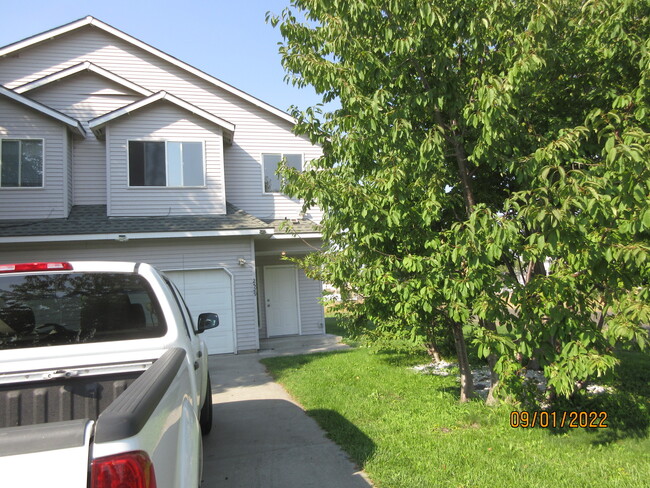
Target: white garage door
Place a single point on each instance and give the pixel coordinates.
(209, 290)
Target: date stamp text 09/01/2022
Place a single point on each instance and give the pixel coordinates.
(558, 420)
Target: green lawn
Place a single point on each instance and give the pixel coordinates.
(408, 430)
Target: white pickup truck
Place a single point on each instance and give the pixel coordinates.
(103, 378)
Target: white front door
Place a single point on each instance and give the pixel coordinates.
(281, 300)
(209, 290)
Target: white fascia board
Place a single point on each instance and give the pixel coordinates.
(200, 112)
(99, 122)
(77, 68)
(309, 235)
(74, 124)
(44, 36)
(150, 49)
(127, 236)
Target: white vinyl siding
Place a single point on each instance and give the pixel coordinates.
(48, 201)
(177, 254)
(162, 122)
(69, 194)
(312, 316)
(257, 131)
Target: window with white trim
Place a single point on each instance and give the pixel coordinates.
(21, 163)
(270, 163)
(166, 163)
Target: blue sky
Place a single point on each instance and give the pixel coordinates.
(227, 39)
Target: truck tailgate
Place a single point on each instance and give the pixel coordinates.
(53, 455)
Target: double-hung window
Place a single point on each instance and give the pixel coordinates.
(270, 163)
(166, 163)
(21, 163)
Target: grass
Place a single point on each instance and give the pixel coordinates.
(408, 430)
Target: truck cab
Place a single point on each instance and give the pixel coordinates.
(103, 377)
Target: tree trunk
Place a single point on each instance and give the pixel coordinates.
(492, 360)
(465, 178)
(432, 345)
(494, 381)
(466, 381)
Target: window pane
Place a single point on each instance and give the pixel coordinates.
(271, 180)
(174, 164)
(294, 161)
(136, 163)
(31, 173)
(154, 164)
(10, 165)
(193, 164)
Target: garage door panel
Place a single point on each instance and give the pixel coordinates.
(209, 291)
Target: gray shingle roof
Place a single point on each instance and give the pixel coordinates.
(289, 226)
(92, 219)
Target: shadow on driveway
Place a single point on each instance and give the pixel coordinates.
(262, 439)
(272, 443)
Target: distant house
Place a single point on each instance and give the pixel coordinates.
(112, 149)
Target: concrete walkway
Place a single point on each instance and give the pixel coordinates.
(261, 438)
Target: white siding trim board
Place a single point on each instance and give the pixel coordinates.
(312, 235)
(133, 236)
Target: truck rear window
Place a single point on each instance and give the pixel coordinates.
(67, 308)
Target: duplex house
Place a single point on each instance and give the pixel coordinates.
(112, 149)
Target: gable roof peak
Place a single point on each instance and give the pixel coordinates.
(89, 20)
(78, 68)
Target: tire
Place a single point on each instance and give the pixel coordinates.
(205, 419)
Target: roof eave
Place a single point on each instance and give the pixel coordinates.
(77, 68)
(73, 124)
(97, 124)
(126, 236)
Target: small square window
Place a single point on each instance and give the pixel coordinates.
(270, 163)
(21, 163)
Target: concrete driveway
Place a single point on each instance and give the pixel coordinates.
(260, 437)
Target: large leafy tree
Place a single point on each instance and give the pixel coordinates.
(487, 172)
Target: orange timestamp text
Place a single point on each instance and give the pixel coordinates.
(558, 420)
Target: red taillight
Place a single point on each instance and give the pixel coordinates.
(23, 267)
(127, 470)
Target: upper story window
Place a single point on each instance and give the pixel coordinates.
(270, 162)
(166, 163)
(21, 162)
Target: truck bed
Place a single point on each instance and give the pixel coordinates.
(61, 399)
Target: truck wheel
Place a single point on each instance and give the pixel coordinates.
(206, 411)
